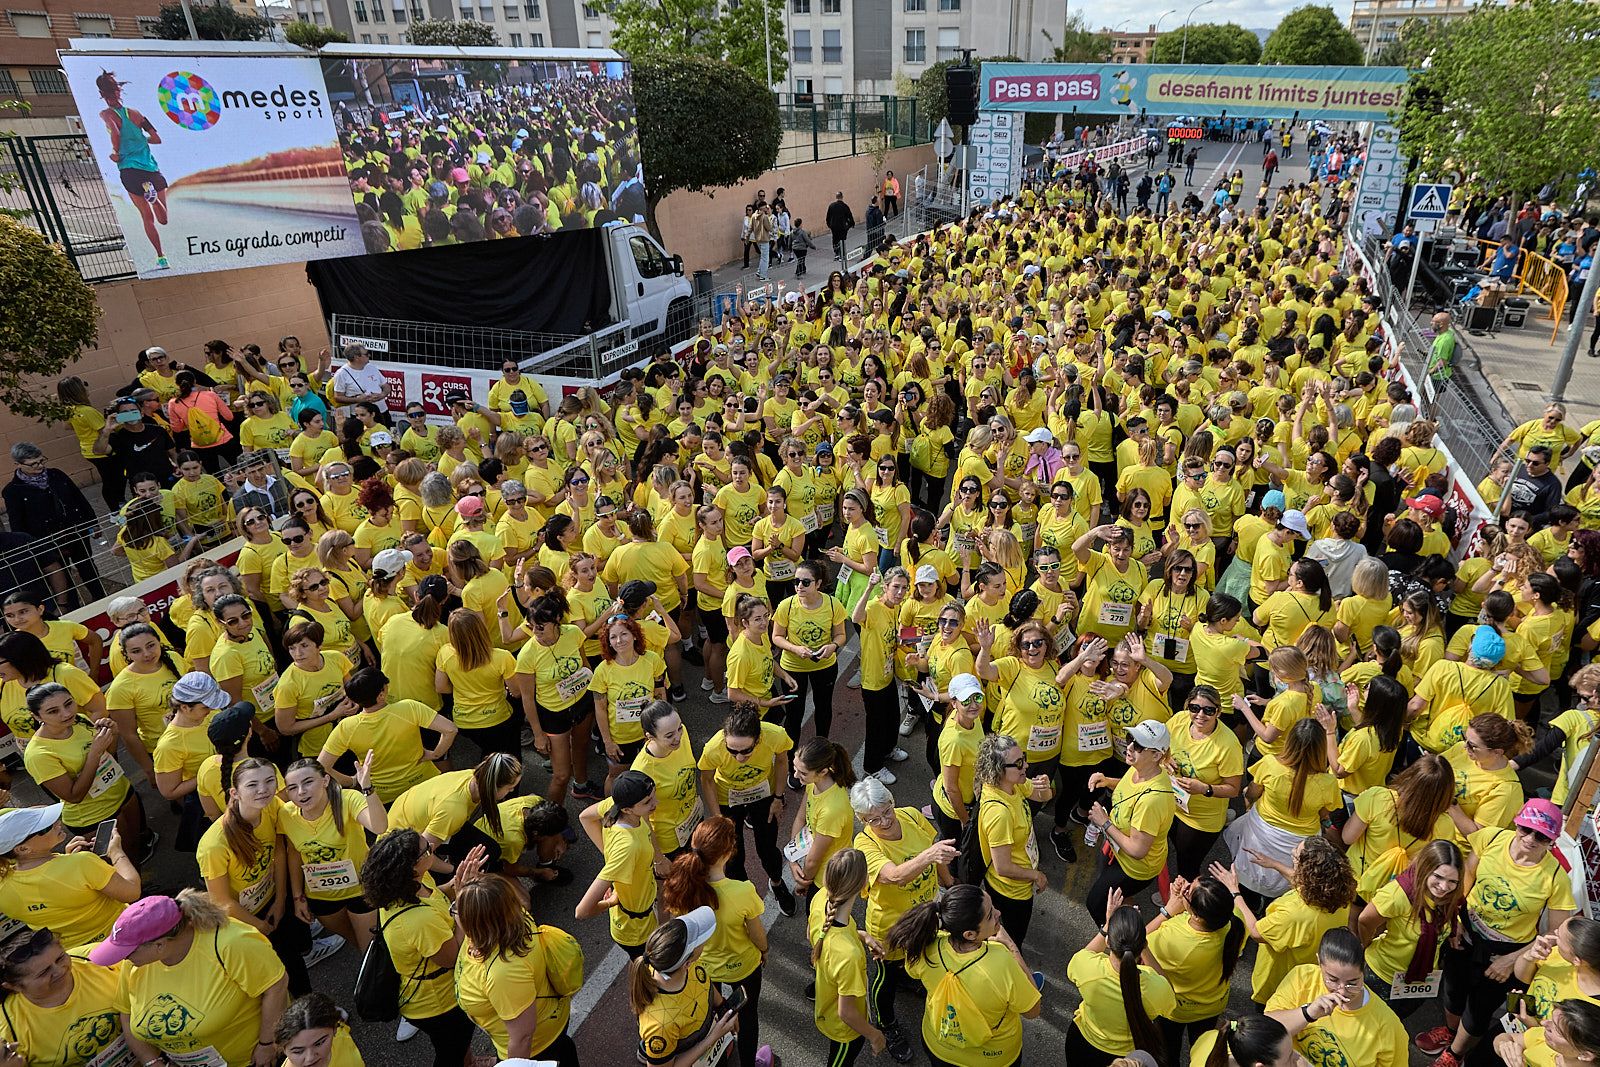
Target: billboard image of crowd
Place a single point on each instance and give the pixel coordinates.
(216, 161)
(451, 151)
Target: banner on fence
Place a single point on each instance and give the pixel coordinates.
(1355, 94)
(214, 160)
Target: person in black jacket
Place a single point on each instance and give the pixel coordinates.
(840, 222)
(43, 501)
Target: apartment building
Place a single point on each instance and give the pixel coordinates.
(519, 23)
(30, 34)
(1131, 46)
(1376, 23)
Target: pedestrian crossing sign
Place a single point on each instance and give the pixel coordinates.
(1429, 201)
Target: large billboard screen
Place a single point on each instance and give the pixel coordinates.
(1348, 94)
(214, 162)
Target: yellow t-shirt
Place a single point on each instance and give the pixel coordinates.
(751, 779)
(750, 668)
(1321, 793)
(74, 1033)
(182, 749)
(147, 696)
(560, 675)
(330, 859)
(841, 971)
(1102, 1017)
(1390, 953)
(629, 855)
(958, 748)
(14, 698)
(391, 734)
(1507, 898)
(251, 882)
(495, 990)
(309, 693)
(62, 894)
(437, 807)
(480, 693)
(998, 991)
(673, 1018)
(829, 813)
(811, 627)
(678, 803)
(1146, 806)
(1209, 759)
(1005, 820)
(47, 759)
(730, 955)
(208, 1002)
(1033, 709)
(1191, 959)
(252, 662)
(415, 933)
(886, 903)
(627, 691)
(1291, 930)
(1369, 1033)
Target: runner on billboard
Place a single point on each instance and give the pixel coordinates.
(131, 138)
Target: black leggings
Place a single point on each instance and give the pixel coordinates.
(1467, 991)
(881, 710)
(820, 683)
(1015, 915)
(887, 977)
(1172, 1035)
(451, 1034)
(844, 1053)
(1187, 849)
(113, 481)
(291, 940)
(503, 736)
(766, 835)
(1074, 789)
(1112, 876)
(563, 1051)
(749, 1040)
(1080, 1053)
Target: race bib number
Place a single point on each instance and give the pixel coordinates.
(965, 542)
(573, 685)
(116, 1054)
(780, 568)
(714, 1054)
(1168, 647)
(685, 829)
(630, 710)
(200, 1057)
(1116, 614)
(1094, 736)
(883, 535)
(1426, 989)
(824, 514)
(251, 897)
(1026, 533)
(809, 522)
(263, 690)
(9, 927)
(334, 877)
(1065, 639)
(1032, 849)
(1044, 739)
(796, 850)
(750, 793)
(1182, 796)
(109, 774)
(8, 747)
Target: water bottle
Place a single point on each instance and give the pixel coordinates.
(1091, 836)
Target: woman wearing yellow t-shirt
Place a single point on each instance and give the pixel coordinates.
(627, 680)
(751, 668)
(325, 828)
(825, 822)
(1207, 770)
(414, 918)
(778, 542)
(388, 732)
(960, 938)
(1143, 803)
(741, 502)
(1291, 794)
(1366, 755)
(673, 997)
(140, 694)
(313, 1032)
(1306, 601)
(307, 700)
(735, 952)
(554, 682)
(1002, 792)
(1406, 924)
(59, 1007)
(505, 980)
(1114, 580)
(75, 761)
(625, 888)
(808, 628)
(1196, 939)
(1122, 997)
(477, 673)
(241, 860)
(839, 963)
(75, 894)
(1331, 997)
(1391, 823)
(857, 557)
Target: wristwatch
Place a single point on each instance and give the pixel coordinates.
(1209, 791)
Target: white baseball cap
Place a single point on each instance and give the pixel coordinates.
(19, 824)
(1151, 734)
(1040, 436)
(700, 923)
(926, 573)
(391, 561)
(965, 686)
(1295, 520)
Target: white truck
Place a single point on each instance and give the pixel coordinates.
(651, 308)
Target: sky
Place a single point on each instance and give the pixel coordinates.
(1251, 14)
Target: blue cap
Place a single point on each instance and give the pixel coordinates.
(1274, 499)
(1488, 647)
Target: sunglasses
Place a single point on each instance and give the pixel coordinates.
(998, 505)
(1536, 835)
(580, 481)
(946, 624)
(295, 540)
(338, 474)
(1060, 496)
(416, 414)
(255, 520)
(538, 448)
(738, 751)
(256, 404)
(604, 514)
(1019, 765)
(1030, 646)
(1223, 466)
(1204, 709)
(802, 582)
(312, 587)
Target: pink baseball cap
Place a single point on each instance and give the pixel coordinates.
(737, 554)
(1430, 504)
(459, 174)
(142, 922)
(469, 507)
(1542, 817)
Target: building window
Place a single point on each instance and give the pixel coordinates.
(8, 84)
(47, 81)
(803, 92)
(417, 14)
(383, 38)
(916, 46)
(949, 5)
(949, 42)
(148, 25)
(596, 39)
(94, 25)
(536, 40)
(466, 14)
(516, 40)
(800, 7)
(361, 10)
(531, 10)
(832, 46)
(378, 15)
(590, 11)
(802, 46)
(916, 5)
(366, 38)
(512, 13)
(486, 14)
(832, 7)
(31, 24)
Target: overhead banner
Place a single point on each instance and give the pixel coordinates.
(1335, 94)
(221, 161)
(213, 163)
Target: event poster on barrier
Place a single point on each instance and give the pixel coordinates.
(213, 163)
(1335, 94)
(217, 160)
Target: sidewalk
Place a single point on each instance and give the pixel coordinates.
(1519, 365)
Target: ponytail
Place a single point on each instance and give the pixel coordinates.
(688, 885)
(498, 769)
(822, 756)
(1126, 941)
(1246, 1039)
(956, 910)
(845, 879)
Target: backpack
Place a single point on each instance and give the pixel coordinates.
(378, 983)
(959, 1018)
(204, 429)
(563, 960)
(970, 864)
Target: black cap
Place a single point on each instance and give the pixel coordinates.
(630, 788)
(231, 726)
(636, 593)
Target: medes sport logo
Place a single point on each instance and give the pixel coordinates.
(189, 100)
(195, 104)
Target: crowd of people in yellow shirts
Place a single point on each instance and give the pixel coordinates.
(1129, 519)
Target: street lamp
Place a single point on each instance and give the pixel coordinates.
(1162, 19)
(1183, 56)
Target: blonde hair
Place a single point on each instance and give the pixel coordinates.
(1287, 663)
(1371, 579)
(330, 544)
(844, 879)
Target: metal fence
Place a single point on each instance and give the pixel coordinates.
(1471, 418)
(823, 126)
(52, 184)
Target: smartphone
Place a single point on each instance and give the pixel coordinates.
(733, 1001)
(127, 416)
(102, 836)
(787, 697)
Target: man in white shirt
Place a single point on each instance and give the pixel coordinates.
(358, 380)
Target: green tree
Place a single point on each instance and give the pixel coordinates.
(1312, 36)
(1209, 42)
(1511, 117)
(47, 319)
(310, 35)
(716, 29)
(213, 22)
(450, 32)
(703, 123)
(1079, 44)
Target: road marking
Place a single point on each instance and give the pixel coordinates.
(599, 983)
